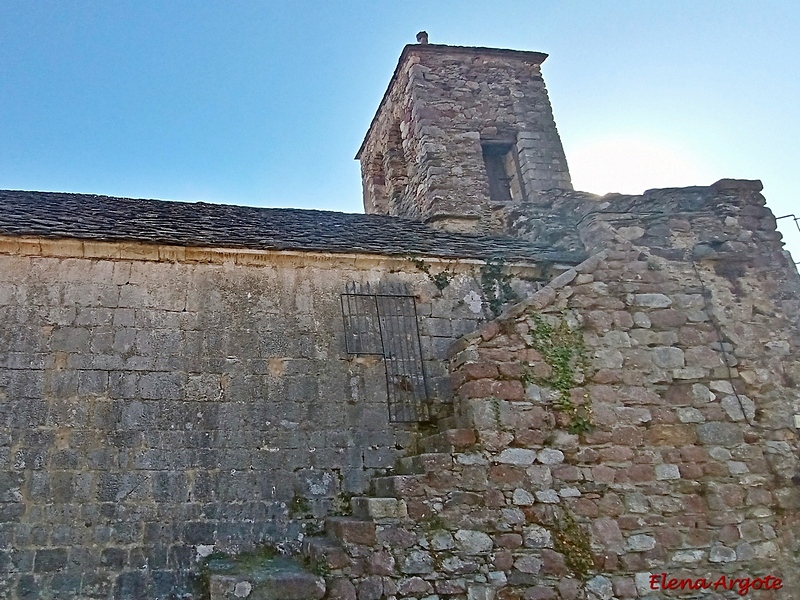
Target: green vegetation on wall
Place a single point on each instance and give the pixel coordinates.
(571, 541)
(441, 279)
(562, 348)
(496, 286)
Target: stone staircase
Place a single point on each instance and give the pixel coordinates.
(395, 500)
(278, 578)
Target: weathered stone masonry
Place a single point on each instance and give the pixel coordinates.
(687, 466)
(421, 157)
(614, 380)
(155, 408)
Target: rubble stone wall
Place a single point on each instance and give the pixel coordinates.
(686, 467)
(693, 325)
(630, 424)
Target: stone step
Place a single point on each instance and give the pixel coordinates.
(427, 462)
(450, 440)
(378, 509)
(398, 486)
(325, 552)
(352, 530)
(261, 578)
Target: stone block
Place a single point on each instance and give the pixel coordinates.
(607, 358)
(720, 434)
(162, 386)
(439, 327)
(690, 373)
(703, 356)
(564, 279)
(351, 530)
(470, 459)
(50, 560)
(536, 536)
(528, 564)
(721, 554)
(379, 458)
(517, 456)
(480, 592)
(673, 435)
(690, 415)
(70, 339)
(547, 496)
(652, 300)
(632, 416)
(341, 589)
(739, 408)
(522, 497)
(667, 472)
(378, 509)
(484, 370)
(667, 318)
(483, 414)
(640, 543)
(606, 534)
(325, 552)
(65, 585)
(601, 587)
(473, 542)
(616, 339)
(417, 562)
(550, 456)
(114, 558)
(424, 463)
(553, 563)
(456, 565)
(668, 358)
(269, 579)
(370, 588)
(199, 532)
(414, 586)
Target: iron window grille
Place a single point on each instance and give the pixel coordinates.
(384, 323)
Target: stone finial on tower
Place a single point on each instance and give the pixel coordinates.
(422, 37)
(461, 133)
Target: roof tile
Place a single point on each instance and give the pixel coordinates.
(105, 218)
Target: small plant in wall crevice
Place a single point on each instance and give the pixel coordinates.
(562, 348)
(441, 279)
(496, 286)
(571, 541)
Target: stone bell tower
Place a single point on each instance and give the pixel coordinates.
(461, 133)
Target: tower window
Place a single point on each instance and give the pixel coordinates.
(502, 168)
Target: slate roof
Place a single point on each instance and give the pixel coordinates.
(105, 218)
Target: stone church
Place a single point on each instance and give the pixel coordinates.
(488, 387)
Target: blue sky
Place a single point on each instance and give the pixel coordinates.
(265, 103)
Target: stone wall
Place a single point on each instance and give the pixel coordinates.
(154, 411)
(635, 417)
(685, 466)
(691, 324)
(727, 221)
(422, 157)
